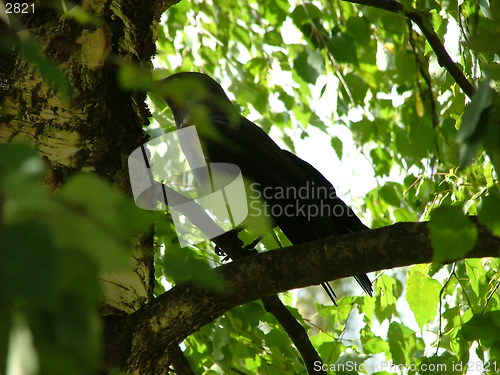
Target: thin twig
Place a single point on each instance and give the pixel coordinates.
(233, 247)
(420, 18)
(440, 332)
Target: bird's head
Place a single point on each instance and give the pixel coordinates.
(194, 97)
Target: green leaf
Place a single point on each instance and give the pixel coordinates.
(183, 264)
(402, 342)
(452, 234)
(482, 327)
(315, 33)
(382, 161)
(362, 131)
(250, 314)
(476, 275)
(328, 349)
(485, 41)
(387, 293)
(29, 263)
(349, 363)
(406, 66)
(422, 294)
(389, 193)
(220, 339)
(288, 142)
(309, 65)
(97, 220)
(134, 77)
(373, 344)
(21, 172)
(304, 13)
(359, 29)
(443, 364)
(489, 214)
(343, 49)
(402, 214)
(337, 146)
(276, 11)
(357, 88)
(474, 123)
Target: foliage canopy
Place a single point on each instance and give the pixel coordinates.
(371, 82)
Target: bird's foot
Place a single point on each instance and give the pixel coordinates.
(221, 253)
(251, 246)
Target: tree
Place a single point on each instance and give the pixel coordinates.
(81, 267)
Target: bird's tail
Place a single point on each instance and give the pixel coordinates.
(365, 283)
(329, 290)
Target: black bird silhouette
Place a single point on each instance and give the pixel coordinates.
(227, 137)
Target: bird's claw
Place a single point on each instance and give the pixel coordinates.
(221, 253)
(250, 248)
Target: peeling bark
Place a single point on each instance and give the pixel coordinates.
(96, 128)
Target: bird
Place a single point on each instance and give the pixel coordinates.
(228, 137)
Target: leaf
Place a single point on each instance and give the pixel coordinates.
(343, 49)
(357, 88)
(305, 13)
(250, 314)
(474, 123)
(349, 363)
(382, 161)
(387, 294)
(315, 33)
(135, 77)
(402, 342)
(337, 146)
(443, 364)
(489, 214)
(183, 264)
(475, 272)
(288, 141)
(309, 65)
(276, 11)
(92, 216)
(359, 29)
(452, 234)
(389, 193)
(422, 294)
(29, 263)
(485, 41)
(373, 344)
(220, 339)
(21, 172)
(405, 66)
(482, 327)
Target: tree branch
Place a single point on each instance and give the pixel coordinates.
(180, 362)
(233, 247)
(420, 18)
(185, 308)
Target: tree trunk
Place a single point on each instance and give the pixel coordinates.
(59, 91)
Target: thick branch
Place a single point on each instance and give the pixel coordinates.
(185, 308)
(420, 18)
(160, 6)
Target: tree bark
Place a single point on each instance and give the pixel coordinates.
(59, 91)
